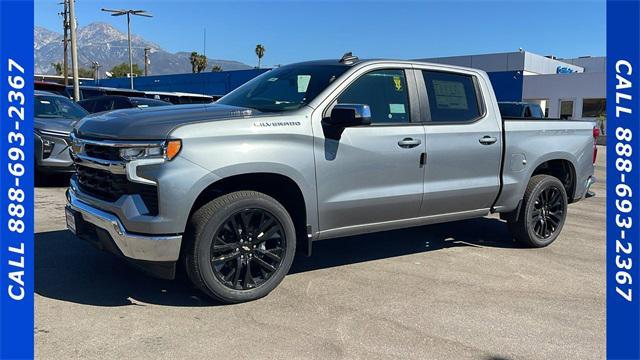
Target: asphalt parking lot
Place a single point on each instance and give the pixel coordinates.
(461, 290)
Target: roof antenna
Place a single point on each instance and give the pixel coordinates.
(348, 58)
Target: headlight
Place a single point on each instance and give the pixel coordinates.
(47, 147)
(168, 150)
(76, 146)
(48, 142)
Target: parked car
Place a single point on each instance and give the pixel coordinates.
(312, 151)
(179, 98)
(54, 117)
(88, 92)
(114, 102)
(520, 110)
(52, 88)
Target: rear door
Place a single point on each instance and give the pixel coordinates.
(371, 173)
(463, 142)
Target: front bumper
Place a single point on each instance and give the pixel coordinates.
(156, 253)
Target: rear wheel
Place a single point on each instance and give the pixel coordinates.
(543, 213)
(240, 246)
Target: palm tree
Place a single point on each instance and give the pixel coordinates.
(260, 49)
(194, 61)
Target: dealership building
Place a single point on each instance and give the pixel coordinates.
(564, 88)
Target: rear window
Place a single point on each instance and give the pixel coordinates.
(452, 97)
(144, 102)
(90, 93)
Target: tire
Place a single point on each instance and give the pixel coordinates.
(543, 212)
(251, 237)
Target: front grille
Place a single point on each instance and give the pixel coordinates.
(102, 152)
(110, 187)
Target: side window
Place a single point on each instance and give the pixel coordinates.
(452, 97)
(385, 91)
(90, 93)
(88, 105)
(121, 103)
(103, 105)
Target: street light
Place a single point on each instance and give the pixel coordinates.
(128, 13)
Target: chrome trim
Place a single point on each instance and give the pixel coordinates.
(53, 133)
(134, 246)
(132, 170)
(116, 167)
(123, 167)
(118, 143)
(590, 181)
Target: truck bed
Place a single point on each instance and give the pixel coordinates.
(542, 139)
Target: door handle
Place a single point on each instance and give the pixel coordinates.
(408, 143)
(488, 140)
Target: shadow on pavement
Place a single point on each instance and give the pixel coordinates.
(51, 180)
(71, 270)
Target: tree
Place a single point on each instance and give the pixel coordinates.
(123, 69)
(216, 68)
(82, 72)
(194, 61)
(57, 67)
(198, 62)
(260, 49)
(86, 73)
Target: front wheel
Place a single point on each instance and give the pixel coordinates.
(240, 246)
(544, 210)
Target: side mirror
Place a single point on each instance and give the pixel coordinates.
(346, 115)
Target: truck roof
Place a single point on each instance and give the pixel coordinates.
(336, 62)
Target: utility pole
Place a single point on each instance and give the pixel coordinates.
(130, 55)
(65, 42)
(96, 70)
(147, 61)
(74, 50)
(129, 13)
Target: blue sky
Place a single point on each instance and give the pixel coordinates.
(301, 30)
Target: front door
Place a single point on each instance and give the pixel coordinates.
(372, 173)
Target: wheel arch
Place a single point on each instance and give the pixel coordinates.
(563, 169)
(285, 189)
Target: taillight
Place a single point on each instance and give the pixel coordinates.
(596, 133)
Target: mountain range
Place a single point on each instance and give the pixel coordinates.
(107, 45)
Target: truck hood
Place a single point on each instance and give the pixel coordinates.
(54, 125)
(154, 123)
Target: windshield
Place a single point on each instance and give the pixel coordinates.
(56, 107)
(285, 88)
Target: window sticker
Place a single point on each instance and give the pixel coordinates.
(303, 83)
(450, 95)
(397, 82)
(396, 109)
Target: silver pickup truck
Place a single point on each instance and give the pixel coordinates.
(312, 151)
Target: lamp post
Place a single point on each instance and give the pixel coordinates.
(121, 12)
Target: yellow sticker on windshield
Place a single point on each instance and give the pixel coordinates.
(398, 82)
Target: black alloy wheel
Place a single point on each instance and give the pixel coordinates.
(543, 211)
(548, 212)
(248, 249)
